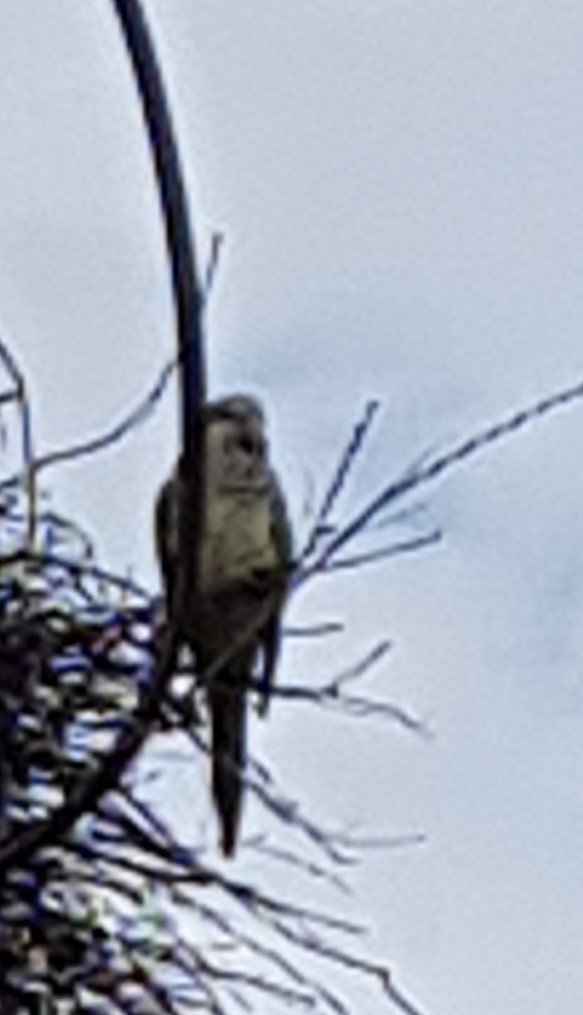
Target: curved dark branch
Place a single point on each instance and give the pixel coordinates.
(85, 796)
(187, 295)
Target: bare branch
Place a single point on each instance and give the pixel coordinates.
(339, 478)
(385, 553)
(434, 466)
(21, 397)
(133, 419)
(112, 436)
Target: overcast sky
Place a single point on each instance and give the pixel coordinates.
(400, 185)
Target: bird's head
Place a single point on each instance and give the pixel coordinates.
(237, 450)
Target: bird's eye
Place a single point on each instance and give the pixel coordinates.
(250, 445)
(246, 444)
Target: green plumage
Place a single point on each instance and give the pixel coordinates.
(245, 564)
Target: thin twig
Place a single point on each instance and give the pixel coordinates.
(385, 553)
(437, 465)
(21, 394)
(141, 411)
(338, 481)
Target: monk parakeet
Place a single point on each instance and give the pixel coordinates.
(245, 563)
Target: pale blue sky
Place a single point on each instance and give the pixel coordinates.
(401, 190)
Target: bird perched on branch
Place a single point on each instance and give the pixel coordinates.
(244, 567)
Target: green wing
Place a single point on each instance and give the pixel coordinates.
(282, 536)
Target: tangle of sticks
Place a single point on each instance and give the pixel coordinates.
(89, 904)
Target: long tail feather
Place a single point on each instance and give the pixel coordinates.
(228, 719)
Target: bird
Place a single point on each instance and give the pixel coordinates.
(245, 562)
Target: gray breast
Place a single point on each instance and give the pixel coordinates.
(238, 539)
